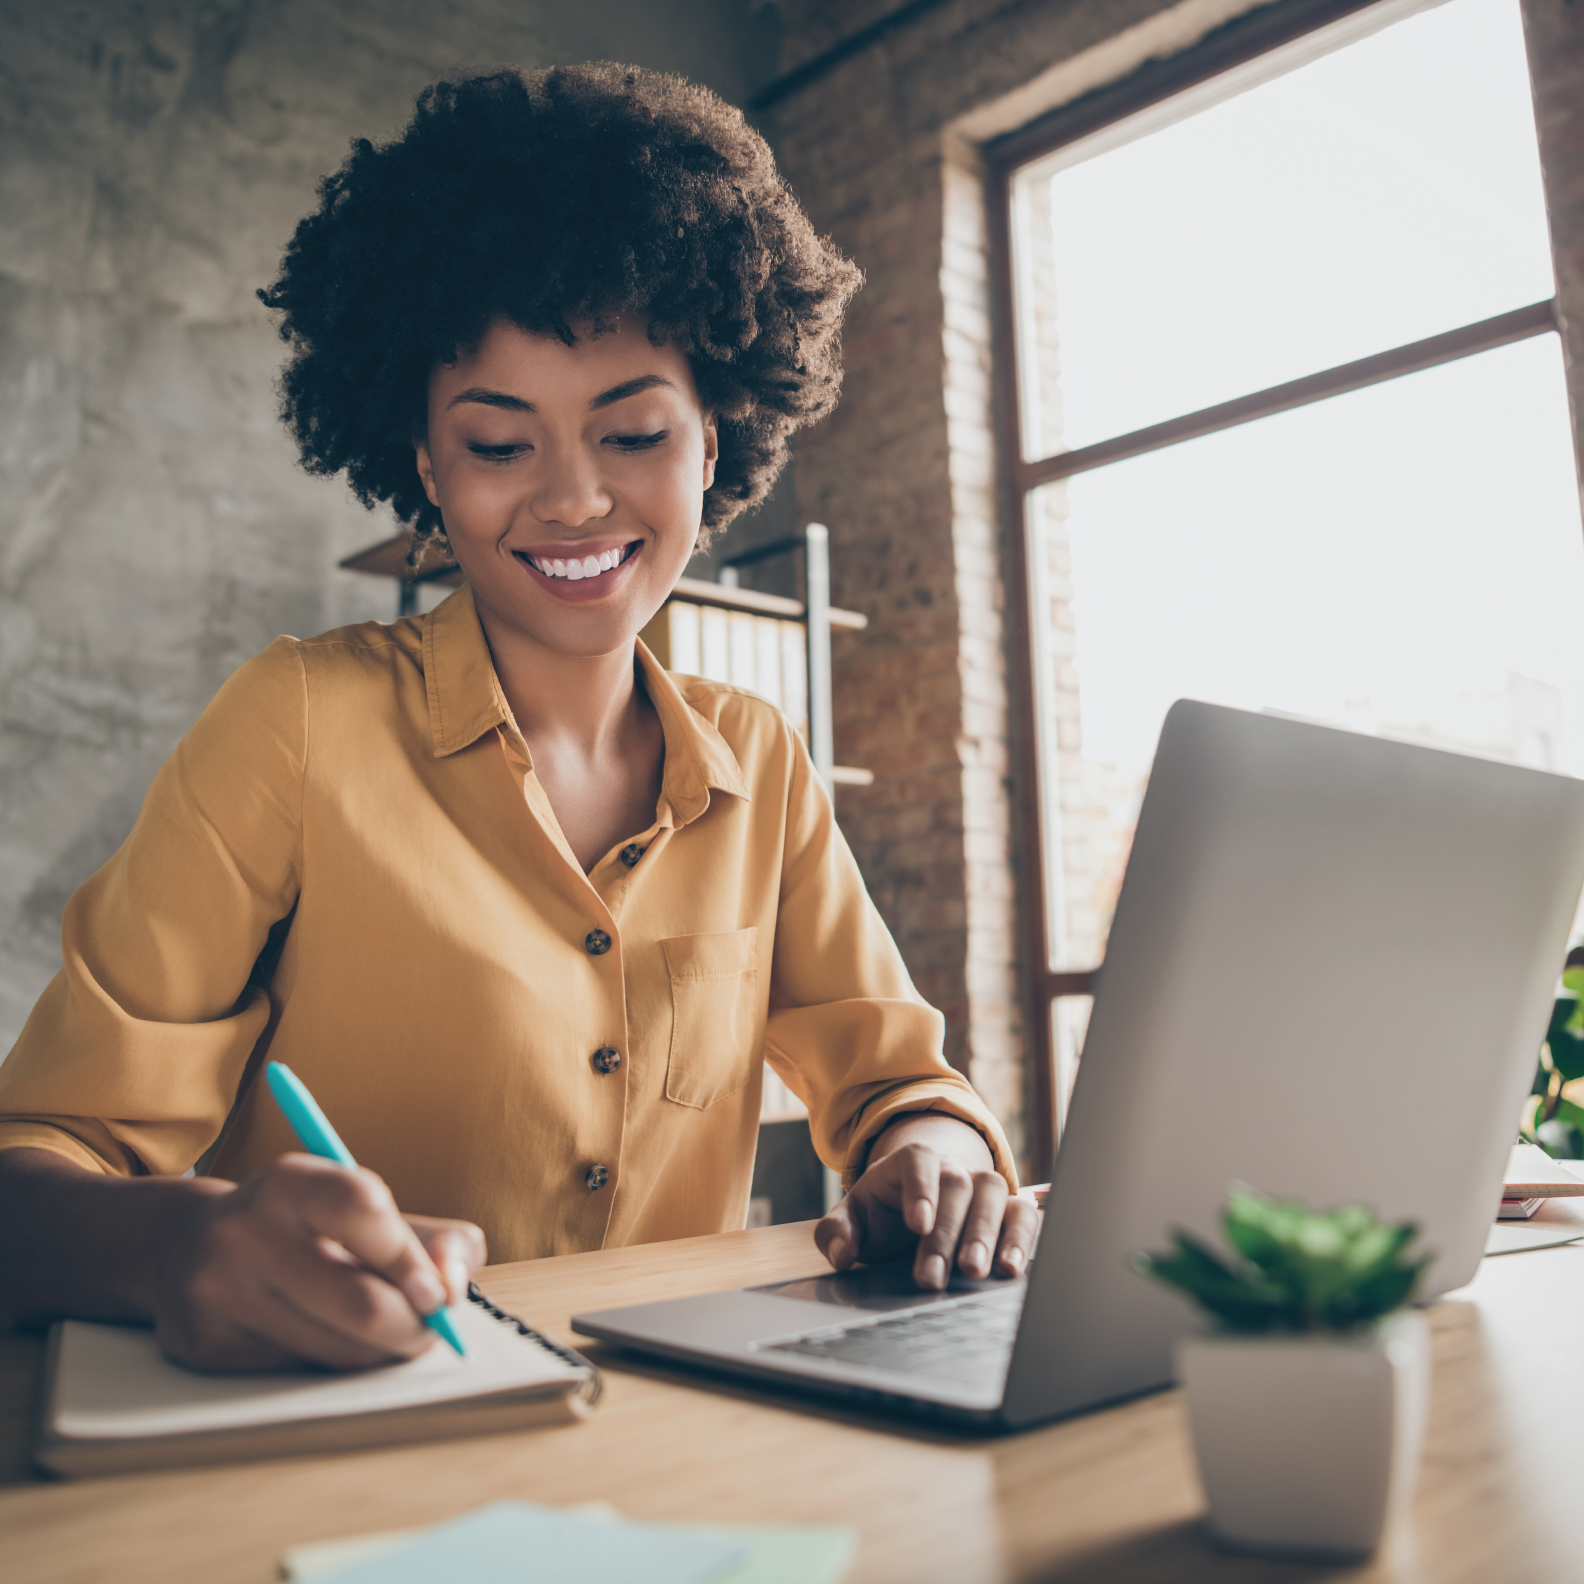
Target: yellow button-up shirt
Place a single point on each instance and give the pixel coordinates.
(348, 865)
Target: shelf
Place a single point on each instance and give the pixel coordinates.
(388, 558)
(695, 591)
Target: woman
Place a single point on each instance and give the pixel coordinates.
(524, 912)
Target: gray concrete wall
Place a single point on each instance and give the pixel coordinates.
(154, 527)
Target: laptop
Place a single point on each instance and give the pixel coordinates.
(1329, 974)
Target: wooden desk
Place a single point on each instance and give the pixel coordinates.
(1110, 1497)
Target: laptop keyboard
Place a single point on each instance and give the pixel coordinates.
(967, 1343)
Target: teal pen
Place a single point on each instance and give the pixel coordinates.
(312, 1127)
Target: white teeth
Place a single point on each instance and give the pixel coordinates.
(575, 571)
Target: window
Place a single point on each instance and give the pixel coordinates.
(1292, 427)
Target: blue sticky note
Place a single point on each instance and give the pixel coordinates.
(785, 1555)
(514, 1543)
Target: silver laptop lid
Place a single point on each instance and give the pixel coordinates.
(1328, 976)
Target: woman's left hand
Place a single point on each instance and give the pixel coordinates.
(931, 1182)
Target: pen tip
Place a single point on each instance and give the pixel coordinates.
(442, 1322)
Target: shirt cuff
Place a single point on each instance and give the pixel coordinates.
(918, 1099)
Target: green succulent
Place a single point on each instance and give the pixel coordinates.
(1557, 1124)
(1295, 1269)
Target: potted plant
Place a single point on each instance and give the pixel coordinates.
(1553, 1121)
(1307, 1392)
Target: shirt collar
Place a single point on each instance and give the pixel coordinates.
(698, 760)
(465, 698)
(465, 701)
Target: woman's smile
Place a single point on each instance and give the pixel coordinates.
(578, 572)
(571, 479)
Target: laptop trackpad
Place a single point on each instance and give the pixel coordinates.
(878, 1287)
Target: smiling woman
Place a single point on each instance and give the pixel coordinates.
(630, 192)
(571, 479)
(568, 464)
(527, 914)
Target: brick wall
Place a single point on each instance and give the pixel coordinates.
(883, 151)
(906, 473)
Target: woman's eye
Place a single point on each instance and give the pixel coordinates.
(498, 453)
(638, 442)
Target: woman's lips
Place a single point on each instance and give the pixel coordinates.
(574, 568)
(582, 577)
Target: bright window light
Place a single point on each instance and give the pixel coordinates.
(1405, 559)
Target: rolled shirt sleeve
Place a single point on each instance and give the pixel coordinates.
(131, 1059)
(847, 1032)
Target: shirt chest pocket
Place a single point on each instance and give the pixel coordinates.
(716, 1039)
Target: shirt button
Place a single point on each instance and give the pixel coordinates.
(631, 853)
(607, 1059)
(596, 1178)
(597, 943)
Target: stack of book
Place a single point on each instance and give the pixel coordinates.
(1532, 1178)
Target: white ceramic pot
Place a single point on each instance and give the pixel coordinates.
(1308, 1443)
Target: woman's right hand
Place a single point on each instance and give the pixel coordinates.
(306, 1261)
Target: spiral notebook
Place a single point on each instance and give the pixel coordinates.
(114, 1403)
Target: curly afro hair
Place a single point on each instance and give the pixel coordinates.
(551, 199)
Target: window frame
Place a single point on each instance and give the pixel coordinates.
(1239, 43)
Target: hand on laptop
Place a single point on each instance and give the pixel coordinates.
(931, 1183)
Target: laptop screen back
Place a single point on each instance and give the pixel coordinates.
(1328, 976)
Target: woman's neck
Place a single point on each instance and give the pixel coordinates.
(595, 739)
(581, 703)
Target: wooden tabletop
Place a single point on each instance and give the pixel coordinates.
(1108, 1497)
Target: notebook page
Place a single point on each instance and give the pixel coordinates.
(112, 1382)
(1533, 1173)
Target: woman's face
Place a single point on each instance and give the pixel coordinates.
(571, 480)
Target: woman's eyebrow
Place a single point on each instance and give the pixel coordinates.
(629, 388)
(492, 398)
(509, 403)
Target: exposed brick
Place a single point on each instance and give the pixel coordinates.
(906, 472)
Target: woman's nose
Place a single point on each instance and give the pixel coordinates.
(568, 489)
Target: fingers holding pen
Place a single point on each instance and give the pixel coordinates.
(457, 1249)
(354, 1210)
(309, 1260)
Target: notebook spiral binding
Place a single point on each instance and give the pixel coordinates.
(596, 1381)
